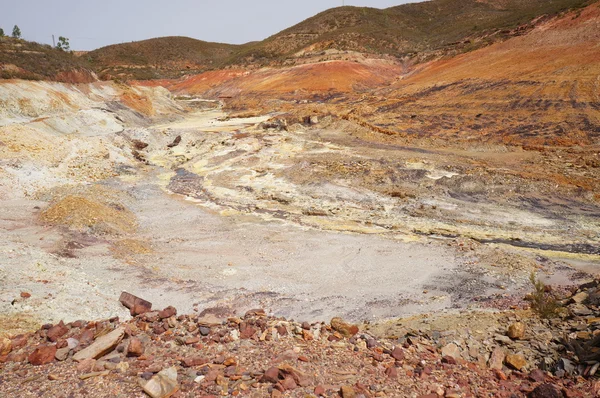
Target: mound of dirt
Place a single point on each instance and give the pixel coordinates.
(87, 214)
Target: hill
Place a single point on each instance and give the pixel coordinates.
(21, 59)
(165, 57)
(418, 29)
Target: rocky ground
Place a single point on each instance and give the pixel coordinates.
(214, 353)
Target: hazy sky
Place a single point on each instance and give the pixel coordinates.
(90, 24)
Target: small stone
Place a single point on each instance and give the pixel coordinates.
(62, 354)
(345, 329)
(135, 348)
(42, 355)
(25, 295)
(72, 343)
(305, 325)
(101, 346)
(5, 346)
(271, 375)
(516, 331)
(319, 391)
(537, 375)
(194, 361)
(451, 350)
(391, 372)
(57, 331)
(497, 358)
(204, 331)
(347, 392)
(289, 384)
(86, 365)
(162, 385)
(247, 332)
(52, 377)
(449, 360)
(580, 297)
(546, 390)
(282, 330)
(503, 339)
(167, 312)
(398, 354)
(136, 305)
(515, 361)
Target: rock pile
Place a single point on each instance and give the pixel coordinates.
(165, 354)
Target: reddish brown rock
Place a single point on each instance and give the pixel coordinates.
(391, 372)
(25, 295)
(537, 375)
(319, 390)
(167, 312)
(135, 348)
(346, 329)
(398, 354)
(289, 383)
(546, 390)
(282, 330)
(19, 341)
(299, 377)
(247, 332)
(57, 331)
(194, 361)
(135, 304)
(270, 376)
(42, 355)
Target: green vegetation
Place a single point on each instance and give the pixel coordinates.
(63, 44)
(1, 32)
(543, 301)
(27, 60)
(16, 33)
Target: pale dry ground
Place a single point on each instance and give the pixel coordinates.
(234, 216)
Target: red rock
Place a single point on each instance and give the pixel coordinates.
(271, 375)
(192, 340)
(19, 341)
(25, 295)
(247, 332)
(282, 330)
(305, 325)
(167, 312)
(344, 328)
(306, 335)
(299, 377)
(391, 372)
(500, 375)
(398, 354)
(57, 331)
(537, 375)
(319, 390)
(86, 337)
(194, 361)
(289, 383)
(135, 348)
(135, 304)
(546, 390)
(302, 358)
(42, 355)
(449, 360)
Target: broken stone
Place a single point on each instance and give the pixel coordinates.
(167, 312)
(42, 355)
(347, 392)
(580, 297)
(451, 350)
(56, 332)
(194, 361)
(101, 346)
(271, 375)
(135, 304)
(345, 329)
(162, 385)
(516, 331)
(135, 348)
(5, 346)
(546, 390)
(515, 361)
(398, 354)
(497, 358)
(175, 142)
(62, 354)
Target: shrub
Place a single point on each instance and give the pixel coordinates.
(542, 299)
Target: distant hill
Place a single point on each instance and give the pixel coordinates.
(21, 59)
(165, 57)
(407, 30)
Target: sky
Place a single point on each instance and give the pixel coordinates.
(90, 24)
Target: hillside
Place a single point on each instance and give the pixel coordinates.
(165, 57)
(417, 29)
(21, 59)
